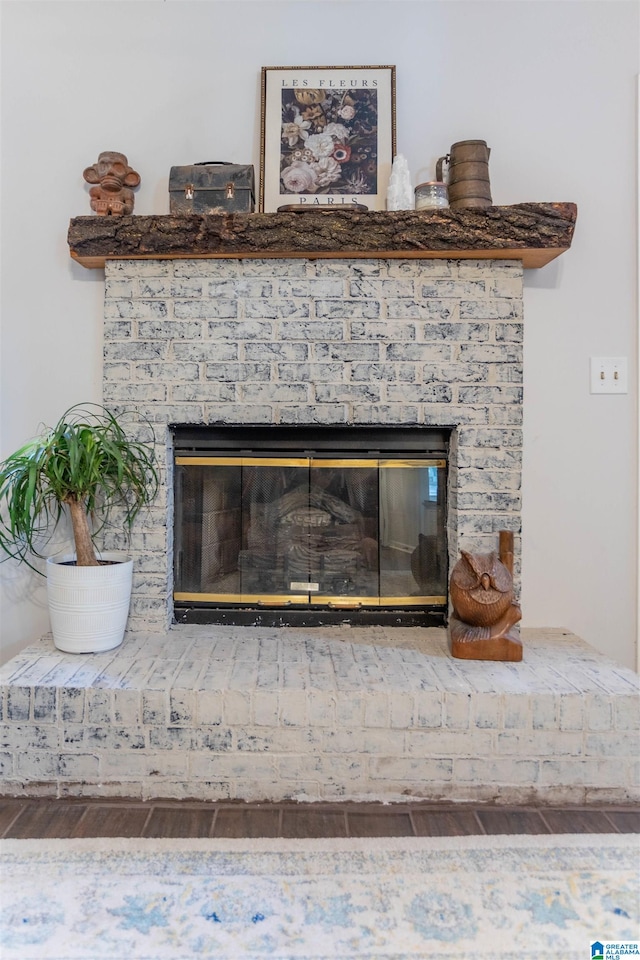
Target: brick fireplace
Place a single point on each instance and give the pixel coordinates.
(201, 330)
(296, 342)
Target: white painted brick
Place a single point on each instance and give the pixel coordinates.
(428, 709)
(209, 708)
(349, 711)
(378, 289)
(502, 268)
(181, 288)
(459, 289)
(428, 268)
(343, 740)
(99, 706)
(627, 712)
(275, 309)
(132, 764)
(6, 770)
(204, 309)
(372, 330)
(18, 703)
(384, 413)
(115, 269)
(450, 743)
(401, 708)
(349, 268)
(236, 707)
(420, 310)
(214, 739)
(127, 707)
(173, 738)
(490, 309)
(572, 712)
(596, 772)
(78, 766)
(238, 413)
(71, 704)
(240, 288)
(155, 706)
(310, 288)
(209, 392)
(517, 710)
(36, 765)
(496, 772)
(119, 289)
(384, 743)
(488, 711)
(334, 769)
(45, 704)
(322, 708)
(294, 708)
(410, 769)
(457, 711)
(376, 710)
(210, 766)
(599, 711)
(540, 743)
(618, 744)
(182, 707)
(266, 709)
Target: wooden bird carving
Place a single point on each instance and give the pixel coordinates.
(481, 589)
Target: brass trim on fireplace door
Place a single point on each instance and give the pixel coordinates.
(346, 601)
(283, 600)
(301, 462)
(243, 461)
(411, 601)
(411, 463)
(343, 463)
(254, 598)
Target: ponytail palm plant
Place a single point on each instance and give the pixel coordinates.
(85, 467)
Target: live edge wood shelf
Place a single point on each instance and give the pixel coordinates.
(534, 233)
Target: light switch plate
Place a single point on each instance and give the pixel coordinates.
(609, 375)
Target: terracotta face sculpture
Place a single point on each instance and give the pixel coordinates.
(114, 176)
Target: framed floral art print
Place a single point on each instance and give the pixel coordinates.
(328, 136)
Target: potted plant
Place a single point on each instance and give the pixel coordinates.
(85, 468)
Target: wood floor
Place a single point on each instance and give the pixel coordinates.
(43, 818)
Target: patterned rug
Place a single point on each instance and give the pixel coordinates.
(490, 897)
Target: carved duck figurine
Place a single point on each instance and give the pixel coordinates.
(481, 589)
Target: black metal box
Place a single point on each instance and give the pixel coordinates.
(212, 188)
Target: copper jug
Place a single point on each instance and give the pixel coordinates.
(468, 174)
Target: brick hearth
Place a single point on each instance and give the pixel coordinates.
(213, 713)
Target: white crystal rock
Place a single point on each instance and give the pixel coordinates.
(399, 192)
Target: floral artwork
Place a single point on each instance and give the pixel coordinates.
(329, 141)
(327, 136)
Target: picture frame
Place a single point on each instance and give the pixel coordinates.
(327, 137)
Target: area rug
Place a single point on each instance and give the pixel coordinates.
(444, 897)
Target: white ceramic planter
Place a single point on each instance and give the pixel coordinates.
(88, 606)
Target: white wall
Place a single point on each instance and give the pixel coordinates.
(549, 85)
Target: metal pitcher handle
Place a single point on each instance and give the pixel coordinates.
(446, 159)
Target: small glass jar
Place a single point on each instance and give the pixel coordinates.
(432, 194)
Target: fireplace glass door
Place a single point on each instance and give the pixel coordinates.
(339, 533)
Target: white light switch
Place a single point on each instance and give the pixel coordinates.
(609, 375)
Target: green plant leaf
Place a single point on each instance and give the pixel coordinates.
(87, 458)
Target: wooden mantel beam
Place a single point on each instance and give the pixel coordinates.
(534, 233)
